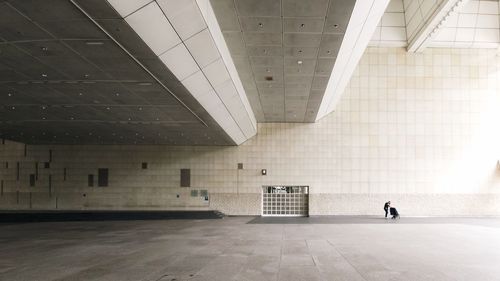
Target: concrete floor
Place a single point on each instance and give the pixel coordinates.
(233, 249)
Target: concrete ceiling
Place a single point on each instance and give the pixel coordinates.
(63, 80)
(284, 51)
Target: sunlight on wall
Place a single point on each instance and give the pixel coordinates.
(477, 168)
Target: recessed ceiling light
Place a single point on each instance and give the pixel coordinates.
(299, 62)
(9, 94)
(72, 118)
(44, 107)
(140, 108)
(117, 94)
(261, 25)
(302, 25)
(300, 51)
(80, 94)
(90, 43)
(86, 75)
(157, 119)
(268, 70)
(129, 119)
(328, 52)
(44, 75)
(43, 118)
(45, 49)
(336, 26)
(13, 107)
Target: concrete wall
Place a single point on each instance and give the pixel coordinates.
(420, 130)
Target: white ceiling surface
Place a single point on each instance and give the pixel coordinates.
(361, 27)
(476, 25)
(391, 30)
(447, 24)
(178, 33)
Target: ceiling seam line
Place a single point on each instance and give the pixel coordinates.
(140, 8)
(139, 63)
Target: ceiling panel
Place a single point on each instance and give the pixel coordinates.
(279, 47)
(63, 81)
(257, 8)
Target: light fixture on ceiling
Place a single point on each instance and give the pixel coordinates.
(94, 43)
(335, 26)
(43, 118)
(72, 118)
(86, 76)
(268, 70)
(299, 62)
(108, 108)
(44, 75)
(117, 94)
(140, 108)
(328, 52)
(9, 94)
(300, 51)
(44, 107)
(263, 172)
(13, 107)
(261, 25)
(45, 49)
(302, 25)
(80, 94)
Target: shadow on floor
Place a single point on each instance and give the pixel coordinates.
(60, 216)
(482, 221)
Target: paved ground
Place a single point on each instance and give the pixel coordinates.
(348, 248)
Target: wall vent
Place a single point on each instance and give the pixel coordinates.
(185, 177)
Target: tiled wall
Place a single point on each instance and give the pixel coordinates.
(420, 129)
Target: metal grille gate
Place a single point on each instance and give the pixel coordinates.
(285, 200)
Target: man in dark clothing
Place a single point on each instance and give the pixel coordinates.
(387, 205)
